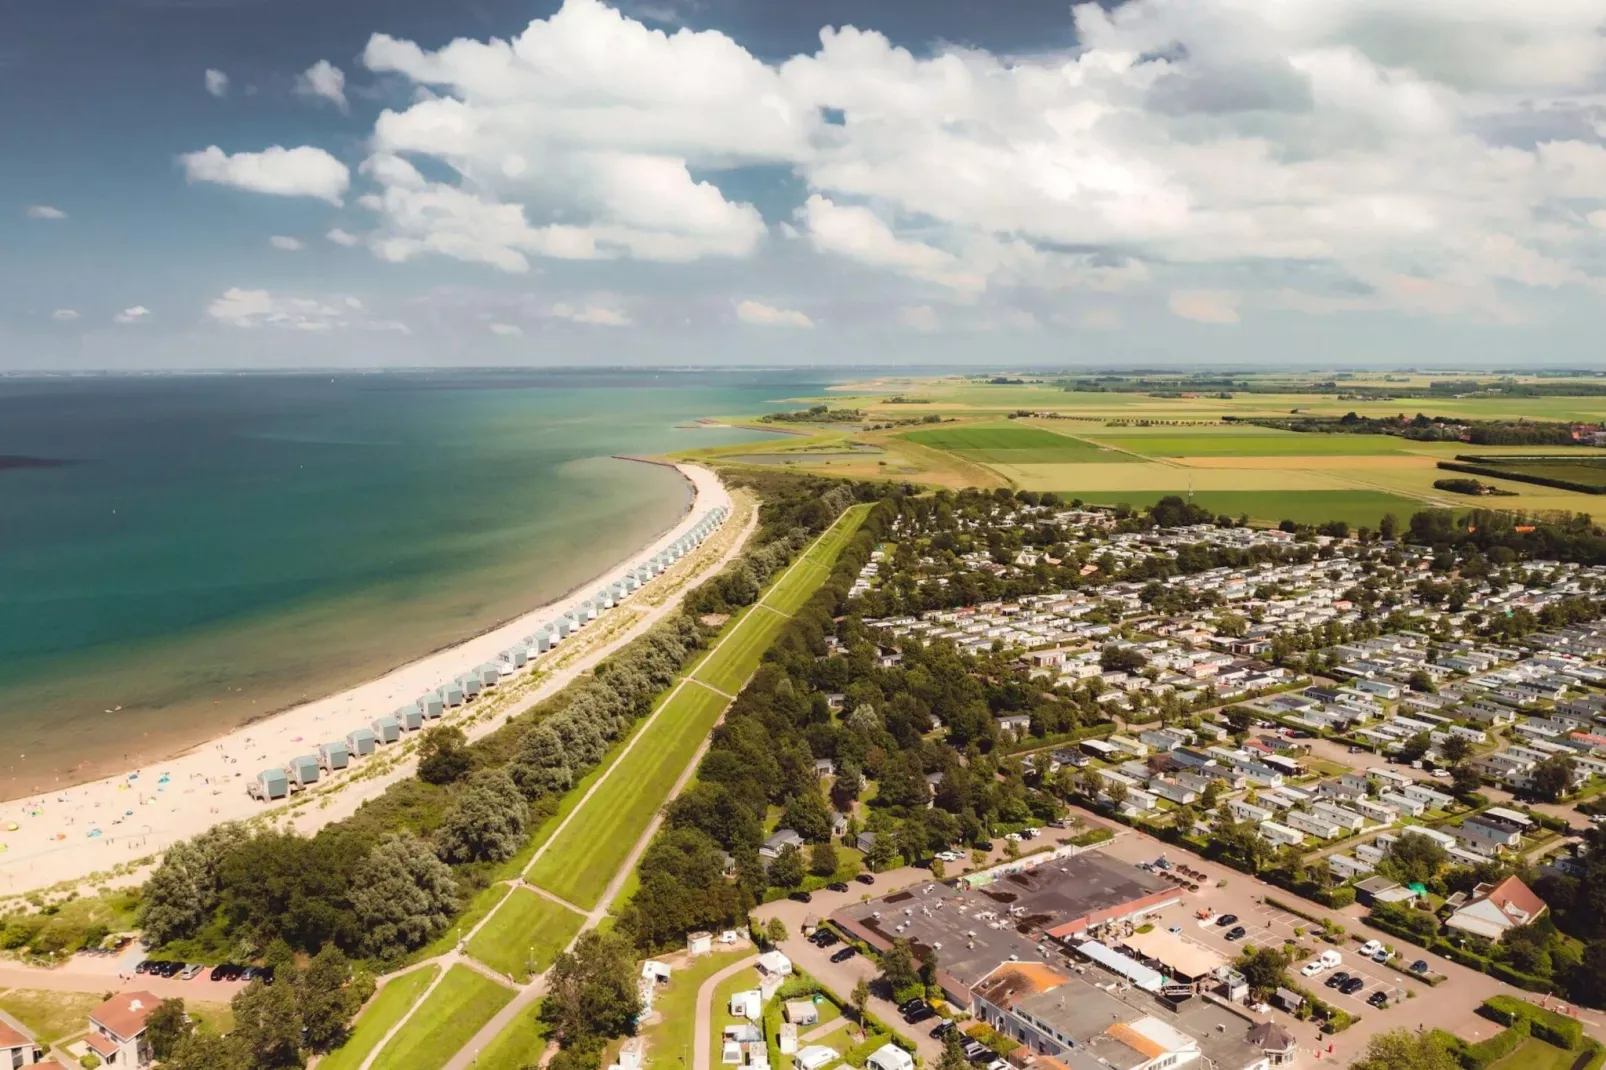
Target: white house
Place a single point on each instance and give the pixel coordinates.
(117, 1030)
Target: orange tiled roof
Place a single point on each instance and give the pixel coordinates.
(1135, 1040)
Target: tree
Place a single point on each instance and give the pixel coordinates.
(938, 870)
(1415, 859)
(541, 766)
(1265, 968)
(1465, 779)
(953, 1054)
(268, 1025)
(786, 868)
(403, 895)
(860, 1000)
(182, 893)
(206, 1051)
(591, 991)
(1117, 792)
(865, 719)
(1405, 1049)
(1553, 777)
(443, 755)
(1122, 659)
(1414, 747)
(822, 860)
(1388, 527)
(1454, 750)
(328, 997)
(1422, 682)
(167, 1027)
(775, 932)
(486, 823)
(898, 966)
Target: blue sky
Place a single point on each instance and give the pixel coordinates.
(284, 183)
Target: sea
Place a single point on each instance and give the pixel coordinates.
(183, 554)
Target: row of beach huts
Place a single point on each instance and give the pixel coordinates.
(305, 770)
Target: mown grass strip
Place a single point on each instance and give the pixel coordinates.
(458, 1008)
(384, 1011)
(529, 930)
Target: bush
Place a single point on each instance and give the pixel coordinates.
(1337, 898)
(1549, 1026)
(1485, 1052)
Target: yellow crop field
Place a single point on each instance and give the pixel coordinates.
(1156, 476)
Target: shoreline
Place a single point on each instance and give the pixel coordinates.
(69, 833)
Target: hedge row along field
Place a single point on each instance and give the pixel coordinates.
(1586, 475)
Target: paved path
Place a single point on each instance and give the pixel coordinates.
(702, 1048)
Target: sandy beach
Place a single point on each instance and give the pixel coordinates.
(73, 832)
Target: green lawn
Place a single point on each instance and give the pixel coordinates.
(526, 928)
(580, 860)
(481, 905)
(382, 1012)
(517, 1046)
(721, 1017)
(1013, 445)
(1230, 443)
(826, 548)
(460, 1005)
(676, 1003)
(1534, 1054)
(1357, 507)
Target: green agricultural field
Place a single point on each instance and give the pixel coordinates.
(518, 1046)
(1230, 443)
(458, 1008)
(1012, 445)
(1584, 471)
(382, 1012)
(579, 861)
(1357, 507)
(527, 928)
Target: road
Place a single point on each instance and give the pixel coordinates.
(702, 1048)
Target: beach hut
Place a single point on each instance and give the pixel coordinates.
(489, 675)
(564, 626)
(268, 785)
(518, 657)
(411, 718)
(587, 611)
(630, 582)
(470, 683)
(332, 756)
(386, 729)
(542, 642)
(360, 741)
(303, 770)
(604, 599)
(432, 706)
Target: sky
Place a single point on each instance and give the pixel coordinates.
(295, 183)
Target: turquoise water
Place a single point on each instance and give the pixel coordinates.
(218, 548)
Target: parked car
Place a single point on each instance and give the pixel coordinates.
(984, 845)
(1227, 919)
(925, 1014)
(1419, 966)
(1237, 933)
(220, 972)
(1352, 986)
(865, 878)
(1382, 954)
(1310, 969)
(801, 897)
(190, 972)
(1370, 948)
(836, 886)
(910, 1004)
(1379, 998)
(1336, 979)
(144, 966)
(844, 955)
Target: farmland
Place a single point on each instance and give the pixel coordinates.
(580, 860)
(1007, 444)
(1577, 473)
(463, 1002)
(1229, 443)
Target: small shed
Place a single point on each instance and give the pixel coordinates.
(655, 971)
(470, 683)
(302, 770)
(1288, 1000)
(699, 943)
(270, 784)
(360, 741)
(386, 729)
(451, 694)
(432, 706)
(802, 1012)
(489, 675)
(516, 657)
(332, 756)
(411, 718)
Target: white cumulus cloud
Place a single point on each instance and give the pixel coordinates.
(343, 237)
(217, 82)
(133, 314)
(64, 315)
(252, 309)
(303, 171)
(594, 315)
(762, 315)
(44, 211)
(323, 81)
(286, 244)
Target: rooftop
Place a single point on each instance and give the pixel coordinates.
(125, 1013)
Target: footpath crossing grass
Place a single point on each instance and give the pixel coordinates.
(518, 1046)
(526, 928)
(458, 1008)
(384, 1011)
(581, 860)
